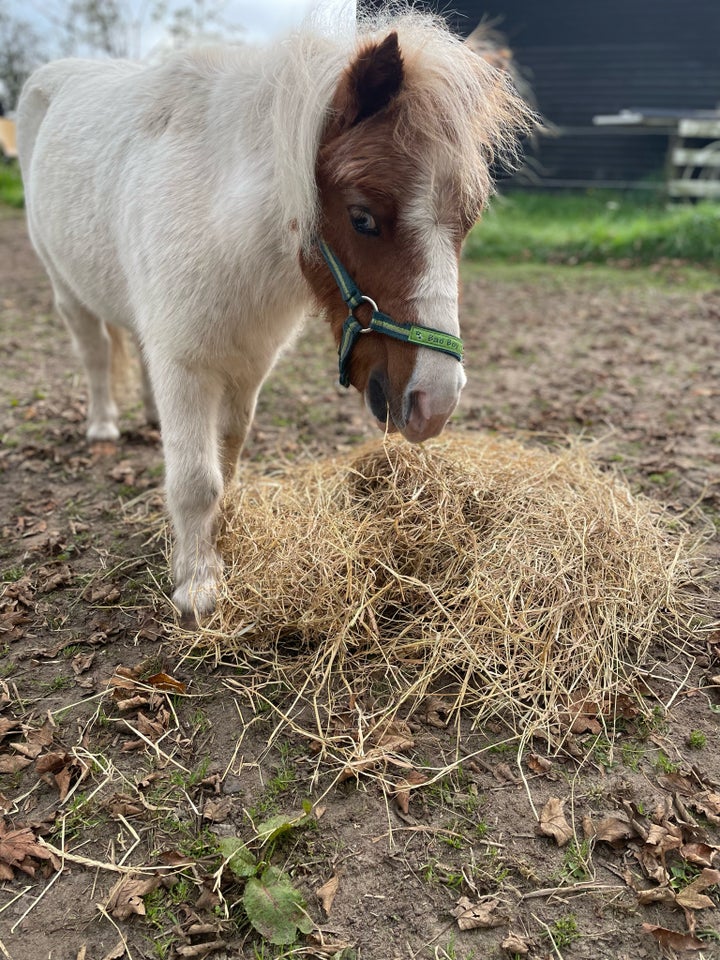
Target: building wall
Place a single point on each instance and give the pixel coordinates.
(584, 58)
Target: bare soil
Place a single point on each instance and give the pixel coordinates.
(136, 777)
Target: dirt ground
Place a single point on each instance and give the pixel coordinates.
(136, 777)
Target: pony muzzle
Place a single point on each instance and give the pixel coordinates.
(417, 414)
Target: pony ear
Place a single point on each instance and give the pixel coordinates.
(372, 81)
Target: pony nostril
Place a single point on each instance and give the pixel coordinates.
(377, 397)
(419, 408)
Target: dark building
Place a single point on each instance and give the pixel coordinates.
(584, 59)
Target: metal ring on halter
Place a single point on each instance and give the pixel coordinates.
(375, 310)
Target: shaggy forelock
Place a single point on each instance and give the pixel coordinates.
(454, 110)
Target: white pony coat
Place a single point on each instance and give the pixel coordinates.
(177, 200)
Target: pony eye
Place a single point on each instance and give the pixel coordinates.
(363, 221)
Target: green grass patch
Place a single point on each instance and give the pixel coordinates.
(595, 227)
(11, 187)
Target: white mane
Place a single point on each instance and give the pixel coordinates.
(454, 100)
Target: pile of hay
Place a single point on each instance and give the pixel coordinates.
(511, 580)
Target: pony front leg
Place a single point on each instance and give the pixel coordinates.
(188, 403)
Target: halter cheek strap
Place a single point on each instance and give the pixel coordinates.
(379, 322)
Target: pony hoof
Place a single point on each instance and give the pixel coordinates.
(103, 431)
(188, 620)
(195, 601)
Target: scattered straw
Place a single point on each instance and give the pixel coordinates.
(507, 580)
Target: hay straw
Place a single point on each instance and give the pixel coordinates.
(510, 581)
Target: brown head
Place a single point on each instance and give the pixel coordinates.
(402, 174)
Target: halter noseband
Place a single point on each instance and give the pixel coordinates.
(379, 322)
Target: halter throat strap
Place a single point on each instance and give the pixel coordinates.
(380, 322)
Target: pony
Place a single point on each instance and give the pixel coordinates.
(209, 202)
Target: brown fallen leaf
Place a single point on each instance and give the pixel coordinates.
(19, 849)
(707, 803)
(516, 945)
(503, 773)
(653, 866)
(133, 703)
(12, 763)
(52, 761)
(326, 893)
(700, 853)
(692, 897)
(35, 740)
(413, 778)
(217, 811)
(656, 895)
(152, 729)
(122, 806)
(610, 829)
(164, 681)
(436, 712)
(479, 915)
(6, 725)
(672, 940)
(82, 662)
(552, 822)
(126, 897)
(539, 764)
(664, 837)
(117, 952)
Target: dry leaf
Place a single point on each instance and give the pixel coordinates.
(11, 764)
(413, 778)
(692, 898)
(35, 740)
(648, 859)
(117, 952)
(7, 725)
(19, 848)
(664, 837)
(552, 822)
(436, 712)
(539, 764)
(672, 940)
(217, 811)
(82, 662)
(121, 806)
(164, 681)
(503, 773)
(52, 762)
(515, 944)
(133, 703)
(610, 829)
(480, 915)
(700, 853)
(655, 895)
(126, 897)
(676, 783)
(708, 803)
(326, 893)
(152, 729)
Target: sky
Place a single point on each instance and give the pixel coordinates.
(261, 19)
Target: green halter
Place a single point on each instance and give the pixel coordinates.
(379, 322)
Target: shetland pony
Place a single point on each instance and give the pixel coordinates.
(207, 203)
